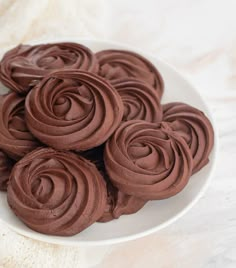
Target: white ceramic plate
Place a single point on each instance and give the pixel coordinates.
(156, 214)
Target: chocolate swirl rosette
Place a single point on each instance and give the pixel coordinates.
(141, 101)
(56, 193)
(117, 64)
(148, 160)
(23, 66)
(15, 138)
(192, 125)
(6, 165)
(73, 110)
(118, 203)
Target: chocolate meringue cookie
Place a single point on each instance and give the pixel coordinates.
(118, 203)
(148, 160)
(192, 125)
(140, 100)
(6, 165)
(56, 193)
(73, 110)
(23, 66)
(117, 64)
(15, 138)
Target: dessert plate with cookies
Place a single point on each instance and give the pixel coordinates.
(99, 143)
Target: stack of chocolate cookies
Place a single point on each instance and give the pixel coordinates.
(84, 136)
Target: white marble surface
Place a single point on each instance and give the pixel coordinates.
(199, 38)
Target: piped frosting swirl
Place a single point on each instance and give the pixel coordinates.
(148, 160)
(55, 192)
(73, 110)
(23, 66)
(193, 126)
(15, 138)
(141, 101)
(119, 64)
